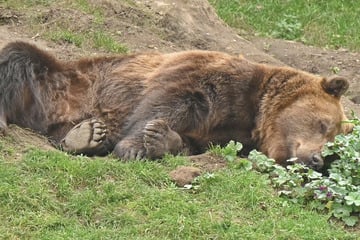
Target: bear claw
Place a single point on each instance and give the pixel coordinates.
(128, 149)
(159, 139)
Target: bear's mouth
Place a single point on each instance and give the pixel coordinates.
(314, 161)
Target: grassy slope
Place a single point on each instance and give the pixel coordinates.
(50, 195)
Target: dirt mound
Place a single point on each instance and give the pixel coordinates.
(167, 25)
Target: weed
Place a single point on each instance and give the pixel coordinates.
(335, 70)
(229, 152)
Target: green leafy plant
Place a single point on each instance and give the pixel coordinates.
(229, 152)
(339, 192)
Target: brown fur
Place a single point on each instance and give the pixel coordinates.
(195, 98)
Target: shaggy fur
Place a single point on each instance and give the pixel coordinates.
(144, 105)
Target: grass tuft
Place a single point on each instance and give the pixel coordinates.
(67, 37)
(103, 40)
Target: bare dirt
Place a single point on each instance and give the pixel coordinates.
(173, 25)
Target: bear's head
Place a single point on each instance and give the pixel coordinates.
(298, 115)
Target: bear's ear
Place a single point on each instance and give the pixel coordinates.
(335, 85)
(347, 127)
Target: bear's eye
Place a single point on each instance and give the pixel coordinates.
(323, 127)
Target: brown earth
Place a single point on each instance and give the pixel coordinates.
(170, 25)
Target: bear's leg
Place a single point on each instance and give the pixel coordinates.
(159, 139)
(86, 137)
(163, 121)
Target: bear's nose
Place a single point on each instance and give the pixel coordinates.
(316, 161)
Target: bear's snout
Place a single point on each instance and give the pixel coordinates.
(315, 162)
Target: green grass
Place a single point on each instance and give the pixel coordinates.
(66, 36)
(105, 41)
(329, 23)
(51, 195)
(99, 40)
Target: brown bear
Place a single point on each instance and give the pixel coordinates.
(145, 105)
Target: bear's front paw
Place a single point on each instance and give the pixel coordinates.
(160, 139)
(86, 137)
(129, 150)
